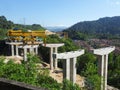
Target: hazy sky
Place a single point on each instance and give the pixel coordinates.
(57, 12)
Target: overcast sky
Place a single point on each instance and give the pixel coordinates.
(57, 12)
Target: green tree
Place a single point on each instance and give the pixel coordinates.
(83, 60)
(93, 80)
(114, 70)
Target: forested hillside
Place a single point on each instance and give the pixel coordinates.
(108, 27)
(7, 24)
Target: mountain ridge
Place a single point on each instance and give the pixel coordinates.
(105, 25)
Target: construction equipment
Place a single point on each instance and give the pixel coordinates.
(65, 35)
(31, 36)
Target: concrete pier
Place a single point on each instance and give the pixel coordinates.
(69, 63)
(31, 50)
(53, 63)
(66, 70)
(25, 54)
(36, 50)
(14, 45)
(73, 69)
(12, 50)
(17, 50)
(103, 64)
(51, 58)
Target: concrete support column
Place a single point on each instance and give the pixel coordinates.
(105, 71)
(73, 70)
(12, 50)
(17, 51)
(36, 50)
(102, 72)
(28, 48)
(31, 50)
(66, 69)
(103, 66)
(56, 65)
(25, 54)
(51, 58)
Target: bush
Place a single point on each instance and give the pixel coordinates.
(27, 72)
(48, 82)
(68, 85)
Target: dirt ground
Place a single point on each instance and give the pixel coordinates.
(16, 59)
(58, 76)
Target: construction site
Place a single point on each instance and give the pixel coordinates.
(21, 43)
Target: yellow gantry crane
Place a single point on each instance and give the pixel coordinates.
(30, 36)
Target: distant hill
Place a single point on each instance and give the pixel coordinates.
(102, 27)
(56, 28)
(7, 24)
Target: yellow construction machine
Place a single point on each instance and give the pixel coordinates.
(30, 36)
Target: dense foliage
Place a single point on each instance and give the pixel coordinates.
(114, 70)
(87, 67)
(103, 28)
(4, 23)
(28, 27)
(68, 43)
(93, 80)
(67, 85)
(28, 72)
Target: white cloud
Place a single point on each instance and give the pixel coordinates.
(113, 2)
(117, 2)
